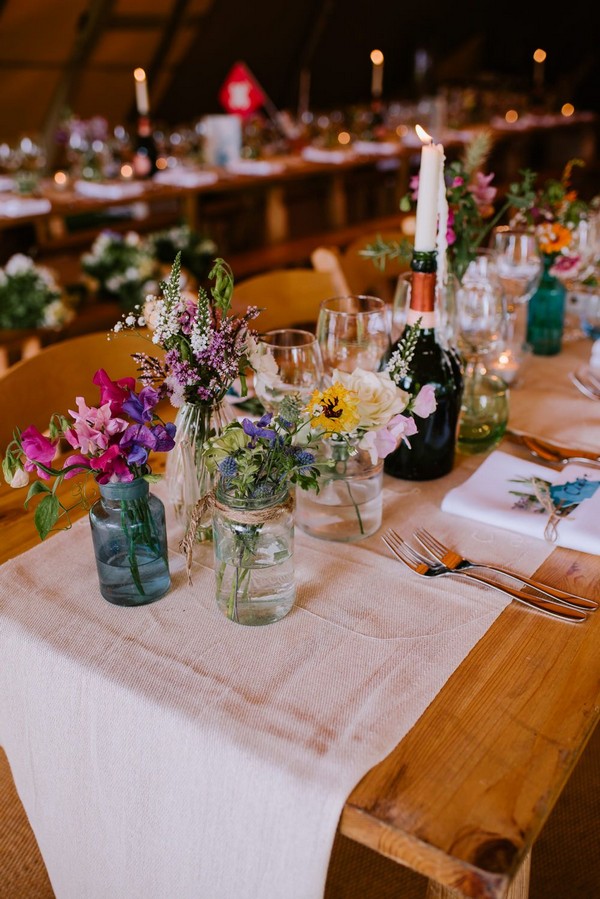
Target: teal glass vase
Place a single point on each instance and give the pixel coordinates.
(546, 313)
(130, 543)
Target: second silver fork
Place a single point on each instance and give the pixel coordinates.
(450, 558)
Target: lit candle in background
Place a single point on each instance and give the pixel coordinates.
(430, 174)
(141, 92)
(539, 58)
(377, 73)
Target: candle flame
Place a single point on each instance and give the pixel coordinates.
(422, 135)
(139, 75)
(377, 57)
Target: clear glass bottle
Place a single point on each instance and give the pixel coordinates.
(254, 557)
(130, 543)
(348, 506)
(187, 477)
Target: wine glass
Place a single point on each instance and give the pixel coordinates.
(519, 266)
(480, 314)
(299, 367)
(353, 332)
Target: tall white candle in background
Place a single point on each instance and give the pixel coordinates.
(377, 73)
(141, 92)
(442, 233)
(430, 173)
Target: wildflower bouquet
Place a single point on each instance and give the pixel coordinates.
(30, 296)
(472, 213)
(555, 213)
(206, 350)
(121, 266)
(112, 443)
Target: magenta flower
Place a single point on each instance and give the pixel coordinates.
(37, 449)
(413, 185)
(113, 392)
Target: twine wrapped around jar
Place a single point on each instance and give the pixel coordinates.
(209, 502)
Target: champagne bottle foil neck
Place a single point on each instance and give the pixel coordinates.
(422, 292)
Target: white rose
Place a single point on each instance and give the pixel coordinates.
(379, 399)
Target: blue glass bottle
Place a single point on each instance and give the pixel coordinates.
(545, 313)
(130, 542)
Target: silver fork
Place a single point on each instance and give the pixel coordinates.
(452, 559)
(423, 567)
(587, 387)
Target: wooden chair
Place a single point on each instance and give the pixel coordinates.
(289, 298)
(359, 273)
(16, 345)
(34, 388)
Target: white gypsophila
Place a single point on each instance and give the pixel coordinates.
(379, 398)
(3, 278)
(131, 273)
(18, 264)
(132, 239)
(102, 242)
(47, 278)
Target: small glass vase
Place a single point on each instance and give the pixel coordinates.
(254, 557)
(348, 506)
(130, 543)
(187, 477)
(546, 313)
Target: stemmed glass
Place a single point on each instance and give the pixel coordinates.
(519, 266)
(353, 332)
(480, 317)
(297, 356)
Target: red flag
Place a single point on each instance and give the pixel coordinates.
(241, 93)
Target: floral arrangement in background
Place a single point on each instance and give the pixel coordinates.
(557, 213)
(111, 442)
(197, 252)
(472, 212)
(121, 266)
(206, 346)
(30, 296)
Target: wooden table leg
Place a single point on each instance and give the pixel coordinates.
(519, 888)
(277, 225)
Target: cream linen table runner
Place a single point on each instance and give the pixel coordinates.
(164, 752)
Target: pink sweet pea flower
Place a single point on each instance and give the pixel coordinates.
(402, 427)
(414, 187)
(425, 401)
(483, 194)
(450, 233)
(113, 392)
(37, 449)
(93, 427)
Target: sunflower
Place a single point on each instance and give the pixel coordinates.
(334, 409)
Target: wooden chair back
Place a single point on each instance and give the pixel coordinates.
(48, 382)
(359, 272)
(289, 298)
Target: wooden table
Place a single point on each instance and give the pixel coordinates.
(464, 795)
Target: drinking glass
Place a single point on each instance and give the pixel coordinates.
(353, 332)
(480, 319)
(519, 267)
(299, 367)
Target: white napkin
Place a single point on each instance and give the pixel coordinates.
(14, 207)
(254, 167)
(316, 154)
(108, 191)
(490, 496)
(183, 177)
(373, 147)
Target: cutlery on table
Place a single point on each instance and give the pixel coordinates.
(586, 384)
(551, 452)
(421, 566)
(451, 559)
